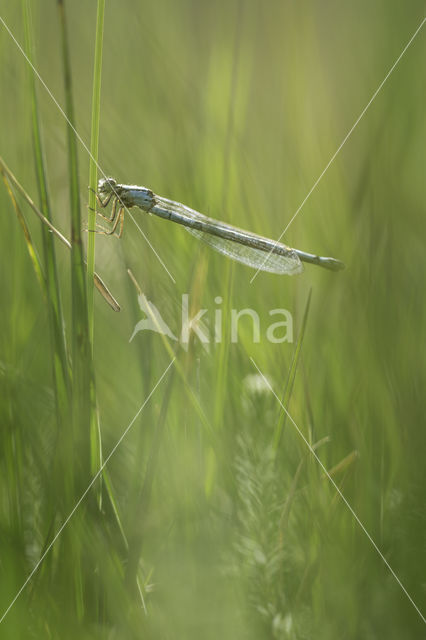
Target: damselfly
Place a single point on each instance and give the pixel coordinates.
(246, 247)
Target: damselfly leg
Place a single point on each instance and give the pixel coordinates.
(116, 217)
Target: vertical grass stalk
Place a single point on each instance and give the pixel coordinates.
(94, 146)
(78, 442)
(95, 431)
(61, 373)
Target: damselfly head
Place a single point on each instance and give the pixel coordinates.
(106, 185)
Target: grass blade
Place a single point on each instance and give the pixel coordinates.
(77, 445)
(81, 350)
(290, 379)
(30, 245)
(99, 283)
(95, 431)
(56, 321)
(94, 145)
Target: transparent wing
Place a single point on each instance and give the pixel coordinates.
(255, 258)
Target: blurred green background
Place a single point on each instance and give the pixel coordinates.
(234, 108)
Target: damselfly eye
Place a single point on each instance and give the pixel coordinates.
(106, 185)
